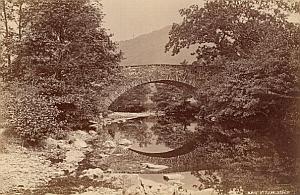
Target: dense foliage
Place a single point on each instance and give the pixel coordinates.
(63, 49)
(170, 99)
(248, 160)
(258, 91)
(254, 99)
(228, 28)
(132, 101)
(257, 49)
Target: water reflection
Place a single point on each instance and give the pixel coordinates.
(154, 134)
(222, 158)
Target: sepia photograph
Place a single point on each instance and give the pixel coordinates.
(150, 97)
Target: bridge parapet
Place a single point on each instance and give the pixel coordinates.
(133, 75)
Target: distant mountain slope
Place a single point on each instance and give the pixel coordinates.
(150, 49)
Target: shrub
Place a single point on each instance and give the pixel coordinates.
(59, 55)
(32, 116)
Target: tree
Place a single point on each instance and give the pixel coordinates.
(261, 89)
(5, 18)
(10, 31)
(257, 51)
(228, 28)
(66, 35)
(63, 50)
(247, 160)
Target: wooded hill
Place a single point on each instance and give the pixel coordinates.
(150, 49)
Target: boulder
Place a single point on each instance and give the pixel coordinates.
(53, 144)
(125, 142)
(93, 133)
(80, 135)
(74, 156)
(90, 188)
(115, 180)
(109, 144)
(176, 183)
(123, 181)
(50, 142)
(58, 173)
(209, 191)
(132, 185)
(80, 144)
(102, 155)
(2, 130)
(134, 190)
(152, 187)
(99, 191)
(174, 176)
(154, 167)
(92, 173)
(131, 180)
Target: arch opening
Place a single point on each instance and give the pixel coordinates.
(158, 92)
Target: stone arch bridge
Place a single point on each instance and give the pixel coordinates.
(130, 76)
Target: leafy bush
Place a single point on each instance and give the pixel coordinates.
(49, 108)
(182, 109)
(32, 116)
(132, 101)
(257, 92)
(256, 48)
(58, 56)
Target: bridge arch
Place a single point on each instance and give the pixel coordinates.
(190, 76)
(119, 91)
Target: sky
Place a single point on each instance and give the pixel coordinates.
(127, 19)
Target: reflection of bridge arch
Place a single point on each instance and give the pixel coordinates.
(186, 148)
(188, 76)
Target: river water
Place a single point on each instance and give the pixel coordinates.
(206, 155)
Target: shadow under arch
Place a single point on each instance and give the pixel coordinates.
(180, 84)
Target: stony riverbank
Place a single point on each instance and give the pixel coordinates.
(59, 167)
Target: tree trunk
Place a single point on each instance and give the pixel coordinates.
(6, 29)
(20, 20)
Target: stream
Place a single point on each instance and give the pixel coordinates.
(208, 157)
(204, 156)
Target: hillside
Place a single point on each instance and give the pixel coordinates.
(150, 49)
